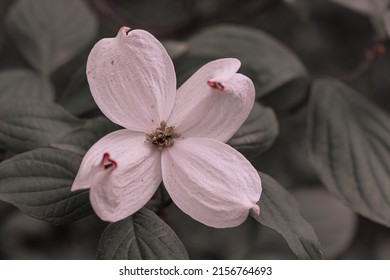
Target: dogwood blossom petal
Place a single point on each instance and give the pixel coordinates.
(214, 102)
(210, 181)
(122, 171)
(132, 79)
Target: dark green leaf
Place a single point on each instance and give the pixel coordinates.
(39, 182)
(257, 133)
(175, 48)
(289, 98)
(279, 211)
(16, 233)
(301, 7)
(386, 22)
(187, 64)
(31, 124)
(77, 98)
(141, 236)
(334, 223)
(21, 84)
(349, 146)
(368, 7)
(50, 32)
(163, 16)
(81, 139)
(265, 60)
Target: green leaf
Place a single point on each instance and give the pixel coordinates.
(141, 236)
(367, 7)
(334, 223)
(386, 22)
(258, 132)
(290, 97)
(31, 124)
(265, 60)
(21, 84)
(50, 32)
(81, 139)
(349, 147)
(279, 211)
(163, 16)
(77, 98)
(175, 48)
(16, 232)
(301, 7)
(38, 182)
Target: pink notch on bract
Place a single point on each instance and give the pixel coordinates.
(108, 163)
(216, 85)
(256, 209)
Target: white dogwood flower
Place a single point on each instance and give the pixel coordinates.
(172, 136)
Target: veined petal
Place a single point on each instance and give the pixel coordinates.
(210, 181)
(132, 79)
(214, 102)
(122, 171)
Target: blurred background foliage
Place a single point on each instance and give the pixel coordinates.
(283, 46)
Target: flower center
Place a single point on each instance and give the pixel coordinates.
(163, 136)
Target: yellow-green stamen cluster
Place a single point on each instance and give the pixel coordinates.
(163, 136)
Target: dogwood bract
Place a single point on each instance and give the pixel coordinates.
(172, 136)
